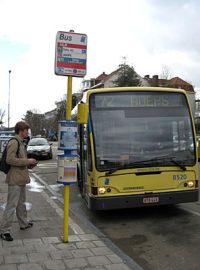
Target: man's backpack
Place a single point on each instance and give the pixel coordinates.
(4, 166)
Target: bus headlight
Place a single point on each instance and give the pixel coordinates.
(102, 190)
(190, 183)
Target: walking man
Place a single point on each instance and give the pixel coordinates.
(17, 178)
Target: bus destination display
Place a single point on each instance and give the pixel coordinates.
(107, 100)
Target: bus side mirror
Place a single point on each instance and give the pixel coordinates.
(82, 113)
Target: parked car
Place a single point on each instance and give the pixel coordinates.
(39, 148)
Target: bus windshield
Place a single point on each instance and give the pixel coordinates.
(132, 127)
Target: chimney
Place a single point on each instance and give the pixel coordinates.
(155, 80)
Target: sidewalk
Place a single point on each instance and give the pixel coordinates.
(41, 247)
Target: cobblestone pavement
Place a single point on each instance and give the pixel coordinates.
(42, 248)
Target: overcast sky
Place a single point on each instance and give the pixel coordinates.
(149, 33)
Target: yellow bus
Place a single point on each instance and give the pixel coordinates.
(137, 148)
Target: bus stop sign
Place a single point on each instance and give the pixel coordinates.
(71, 54)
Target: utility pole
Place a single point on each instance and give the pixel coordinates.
(9, 100)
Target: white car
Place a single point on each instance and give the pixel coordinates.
(39, 148)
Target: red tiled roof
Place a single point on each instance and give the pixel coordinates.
(177, 80)
(180, 83)
(101, 77)
(104, 76)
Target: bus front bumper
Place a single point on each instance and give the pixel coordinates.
(132, 201)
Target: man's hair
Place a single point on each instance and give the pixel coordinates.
(21, 126)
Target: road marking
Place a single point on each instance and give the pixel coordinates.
(47, 165)
(75, 227)
(190, 211)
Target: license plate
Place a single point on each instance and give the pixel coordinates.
(151, 200)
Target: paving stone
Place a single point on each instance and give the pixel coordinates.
(54, 265)
(5, 251)
(94, 268)
(22, 249)
(98, 260)
(38, 256)
(85, 244)
(88, 237)
(1, 259)
(66, 246)
(99, 243)
(73, 238)
(32, 241)
(79, 253)
(44, 247)
(101, 251)
(61, 254)
(15, 242)
(51, 240)
(119, 266)
(9, 267)
(15, 258)
(114, 258)
(77, 268)
(76, 262)
(30, 266)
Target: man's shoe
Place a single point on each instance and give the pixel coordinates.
(30, 224)
(6, 237)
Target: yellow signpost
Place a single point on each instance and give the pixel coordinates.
(66, 187)
(70, 60)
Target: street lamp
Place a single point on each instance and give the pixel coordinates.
(9, 100)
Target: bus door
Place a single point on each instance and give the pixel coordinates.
(83, 159)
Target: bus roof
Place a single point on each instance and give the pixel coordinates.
(118, 89)
(143, 88)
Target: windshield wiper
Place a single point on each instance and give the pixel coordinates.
(126, 166)
(178, 164)
(133, 164)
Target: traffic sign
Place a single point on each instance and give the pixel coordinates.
(71, 54)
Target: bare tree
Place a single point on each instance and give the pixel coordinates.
(165, 73)
(35, 120)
